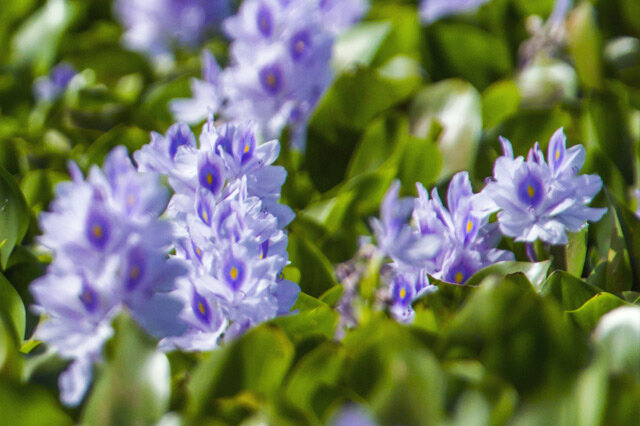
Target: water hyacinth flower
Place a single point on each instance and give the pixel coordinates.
(468, 240)
(156, 27)
(228, 229)
(432, 10)
(51, 87)
(109, 253)
(279, 68)
(543, 199)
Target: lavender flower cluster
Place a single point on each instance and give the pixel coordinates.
(225, 227)
(154, 27)
(109, 251)
(280, 65)
(536, 199)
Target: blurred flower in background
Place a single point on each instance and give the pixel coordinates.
(432, 10)
(156, 27)
(51, 87)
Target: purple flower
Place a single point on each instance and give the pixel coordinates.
(109, 253)
(540, 200)
(432, 10)
(396, 237)
(51, 87)
(155, 27)
(228, 229)
(280, 54)
(207, 94)
(468, 239)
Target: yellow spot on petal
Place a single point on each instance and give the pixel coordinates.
(403, 293)
(246, 148)
(201, 308)
(233, 273)
(205, 216)
(87, 297)
(134, 273)
(271, 80)
(469, 226)
(531, 191)
(209, 178)
(130, 200)
(557, 154)
(300, 46)
(459, 277)
(97, 231)
(198, 251)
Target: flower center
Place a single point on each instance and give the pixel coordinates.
(233, 273)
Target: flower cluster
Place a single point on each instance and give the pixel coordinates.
(542, 200)
(51, 87)
(154, 27)
(109, 254)
(228, 229)
(279, 68)
(536, 199)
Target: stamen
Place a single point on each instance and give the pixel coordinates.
(531, 191)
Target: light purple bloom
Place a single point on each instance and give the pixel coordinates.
(540, 200)
(280, 54)
(228, 228)
(156, 27)
(109, 253)
(51, 87)
(432, 10)
(468, 239)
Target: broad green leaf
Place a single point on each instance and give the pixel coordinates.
(256, 363)
(315, 269)
(320, 321)
(588, 315)
(465, 51)
(358, 45)
(320, 368)
(576, 252)
(134, 387)
(585, 45)
(30, 405)
(14, 215)
(499, 101)
(37, 39)
(354, 100)
(535, 272)
(445, 102)
(617, 336)
(12, 308)
(570, 291)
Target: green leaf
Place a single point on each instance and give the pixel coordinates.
(588, 315)
(585, 45)
(320, 368)
(256, 363)
(359, 45)
(315, 269)
(30, 405)
(617, 336)
(535, 272)
(576, 252)
(12, 308)
(319, 321)
(570, 291)
(135, 384)
(445, 102)
(37, 39)
(14, 215)
(499, 101)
